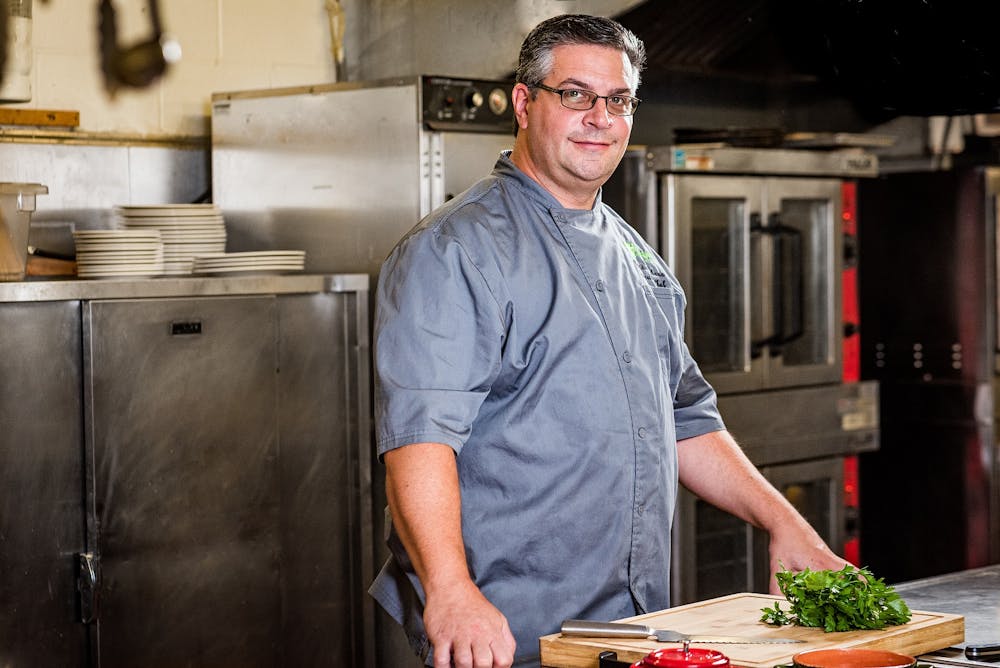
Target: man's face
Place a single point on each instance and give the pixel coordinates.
(569, 152)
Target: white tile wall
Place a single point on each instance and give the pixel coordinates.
(227, 45)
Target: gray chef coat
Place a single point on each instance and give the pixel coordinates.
(545, 345)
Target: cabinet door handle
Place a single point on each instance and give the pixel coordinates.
(88, 583)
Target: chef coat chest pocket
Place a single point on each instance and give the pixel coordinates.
(666, 306)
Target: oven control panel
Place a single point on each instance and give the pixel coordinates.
(468, 105)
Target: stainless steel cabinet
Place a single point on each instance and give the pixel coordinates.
(183, 483)
(213, 506)
(41, 483)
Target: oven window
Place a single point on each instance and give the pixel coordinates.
(806, 268)
(812, 500)
(723, 552)
(717, 305)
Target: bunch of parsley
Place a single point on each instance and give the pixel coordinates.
(842, 600)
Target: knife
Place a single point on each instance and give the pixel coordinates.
(582, 627)
(983, 652)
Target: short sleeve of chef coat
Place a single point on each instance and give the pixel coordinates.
(437, 342)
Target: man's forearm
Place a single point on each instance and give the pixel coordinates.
(425, 503)
(715, 468)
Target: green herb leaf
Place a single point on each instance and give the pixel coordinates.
(843, 600)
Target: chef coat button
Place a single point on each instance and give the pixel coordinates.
(642, 432)
(599, 285)
(627, 356)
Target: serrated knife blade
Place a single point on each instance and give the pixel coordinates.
(591, 629)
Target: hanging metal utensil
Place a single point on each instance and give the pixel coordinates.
(140, 64)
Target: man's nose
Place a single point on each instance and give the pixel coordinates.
(599, 116)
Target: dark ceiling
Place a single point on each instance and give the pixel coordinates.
(913, 57)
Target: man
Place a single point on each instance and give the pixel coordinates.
(536, 404)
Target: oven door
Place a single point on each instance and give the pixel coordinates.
(716, 554)
(799, 438)
(760, 260)
(801, 262)
(707, 235)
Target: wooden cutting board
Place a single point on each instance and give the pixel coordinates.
(739, 614)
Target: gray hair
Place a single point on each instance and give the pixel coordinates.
(535, 60)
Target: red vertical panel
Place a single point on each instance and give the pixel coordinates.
(849, 284)
(851, 358)
(852, 543)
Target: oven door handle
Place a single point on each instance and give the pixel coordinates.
(788, 282)
(787, 298)
(756, 296)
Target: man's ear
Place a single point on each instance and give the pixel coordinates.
(519, 97)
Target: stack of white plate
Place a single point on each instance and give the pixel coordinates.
(188, 230)
(256, 262)
(118, 253)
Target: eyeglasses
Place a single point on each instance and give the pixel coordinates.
(579, 99)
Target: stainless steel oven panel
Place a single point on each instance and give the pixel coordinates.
(293, 167)
(707, 226)
(807, 212)
(712, 552)
(760, 261)
(715, 554)
(803, 423)
(465, 158)
(296, 169)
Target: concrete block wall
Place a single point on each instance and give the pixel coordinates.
(227, 45)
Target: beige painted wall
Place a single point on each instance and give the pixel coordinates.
(227, 45)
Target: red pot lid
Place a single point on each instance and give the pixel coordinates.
(852, 658)
(676, 657)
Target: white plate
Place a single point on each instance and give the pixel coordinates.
(97, 256)
(206, 239)
(124, 246)
(102, 273)
(264, 254)
(116, 235)
(249, 271)
(90, 249)
(198, 262)
(175, 210)
(190, 250)
(183, 223)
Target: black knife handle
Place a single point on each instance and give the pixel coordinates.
(610, 660)
(983, 652)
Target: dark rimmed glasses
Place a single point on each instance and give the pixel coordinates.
(579, 99)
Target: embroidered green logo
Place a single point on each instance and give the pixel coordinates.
(637, 252)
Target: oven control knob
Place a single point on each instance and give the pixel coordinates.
(498, 101)
(473, 99)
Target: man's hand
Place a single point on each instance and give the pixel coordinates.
(796, 547)
(467, 631)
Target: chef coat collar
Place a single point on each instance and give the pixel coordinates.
(505, 167)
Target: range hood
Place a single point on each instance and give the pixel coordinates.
(886, 57)
(899, 57)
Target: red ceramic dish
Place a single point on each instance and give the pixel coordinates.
(852, 658)
(676, 657)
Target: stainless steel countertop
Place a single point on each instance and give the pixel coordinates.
(67, 290)
(974, 594)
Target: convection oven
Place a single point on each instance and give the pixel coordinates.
(757, 239)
